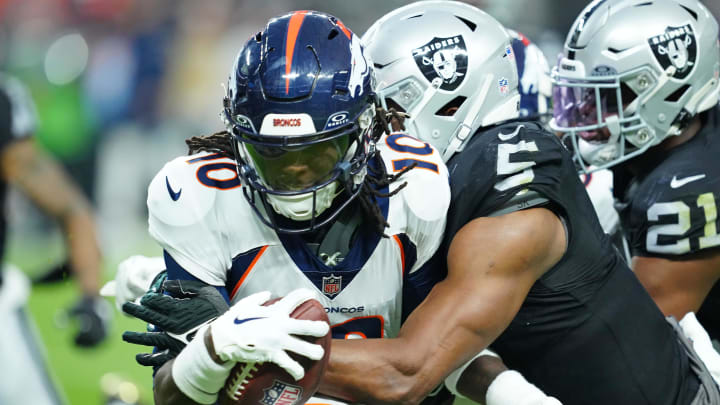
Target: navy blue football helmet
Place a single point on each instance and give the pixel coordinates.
(300, 104)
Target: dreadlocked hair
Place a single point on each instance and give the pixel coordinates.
(219, 142)
(375, 179)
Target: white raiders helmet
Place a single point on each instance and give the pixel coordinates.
(450, 66)
(634, 72)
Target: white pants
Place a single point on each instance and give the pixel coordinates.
(23, 377)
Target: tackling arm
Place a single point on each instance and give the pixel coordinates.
(492, 264)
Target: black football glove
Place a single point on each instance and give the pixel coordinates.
(189, 306)
(93, 315)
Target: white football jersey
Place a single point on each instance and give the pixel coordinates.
(199, 215)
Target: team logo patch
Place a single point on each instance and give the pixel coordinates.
(676, 47)
(337, 119)
(281, 393)
(245, 123)
(331, 285)
(443, 61)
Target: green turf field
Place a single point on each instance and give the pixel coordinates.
(77, 372)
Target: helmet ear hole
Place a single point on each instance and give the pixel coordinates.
(449, 109)
(677, 94)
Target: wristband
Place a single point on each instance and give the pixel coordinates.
(452, 379)
(197, 375)
(510, 387)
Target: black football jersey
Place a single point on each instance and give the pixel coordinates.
(671, 210)
(587, 333)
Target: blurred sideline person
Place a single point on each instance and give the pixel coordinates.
(646, 105)
(530, 271)
(25, 166)
(182, 316)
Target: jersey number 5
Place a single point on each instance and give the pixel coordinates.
(506, 167)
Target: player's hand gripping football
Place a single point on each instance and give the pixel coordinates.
(250, 332)
(176, 317)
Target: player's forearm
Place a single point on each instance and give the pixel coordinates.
(477, 377)
(435, 339)
(85, 259)
(165, 391)
(368, 371)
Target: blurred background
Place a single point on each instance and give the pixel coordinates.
(119, 85)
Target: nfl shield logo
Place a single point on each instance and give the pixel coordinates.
(503, 86)
(281, 393)
(331, 285)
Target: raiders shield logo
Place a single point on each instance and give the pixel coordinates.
(675, 47)
(331, 285)
(443, 61)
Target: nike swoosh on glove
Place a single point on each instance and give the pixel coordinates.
(252, 333)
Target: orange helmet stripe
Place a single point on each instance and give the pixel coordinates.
(293, 31)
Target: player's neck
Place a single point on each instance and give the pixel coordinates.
(648, 160)
(687, 134)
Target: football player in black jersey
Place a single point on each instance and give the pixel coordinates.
(23, 165)
(529, 267)
(646, 104)
(530, 271)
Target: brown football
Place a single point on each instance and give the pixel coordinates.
(267, 383)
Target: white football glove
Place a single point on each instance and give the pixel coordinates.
(132, 279)
(252, 333)
(702, 344)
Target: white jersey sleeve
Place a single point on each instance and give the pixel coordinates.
(193, 203)
(424, 200)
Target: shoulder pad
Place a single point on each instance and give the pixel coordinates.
(177, 195)
(427, 190)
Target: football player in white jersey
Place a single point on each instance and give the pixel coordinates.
(301, 192)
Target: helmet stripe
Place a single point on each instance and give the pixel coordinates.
(293, 31)
(344, 29)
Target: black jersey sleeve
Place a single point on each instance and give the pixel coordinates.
(508, 168)
(520, 165)
(672, 210)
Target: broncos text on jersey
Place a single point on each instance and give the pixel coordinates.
(198, 214)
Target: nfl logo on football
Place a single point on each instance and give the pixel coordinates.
(281, 394)
(331, 285)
